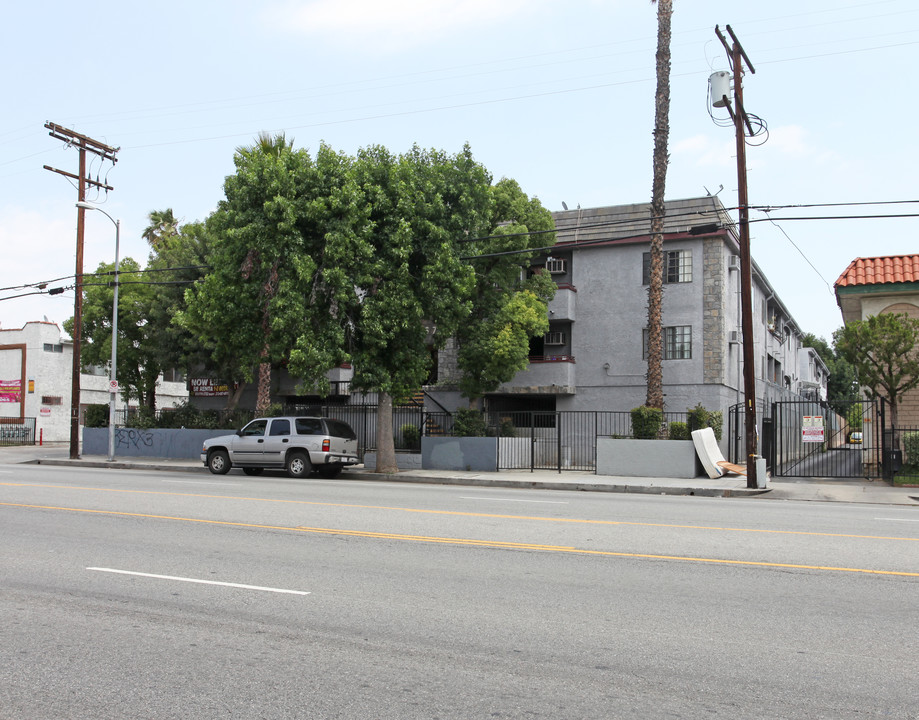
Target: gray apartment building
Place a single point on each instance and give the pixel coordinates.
(594, 355)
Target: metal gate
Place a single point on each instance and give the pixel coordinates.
(813, 439)
(545, 440)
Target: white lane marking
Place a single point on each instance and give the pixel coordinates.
(196, 482)
(544, 502)
(899, 519)
(196, 580)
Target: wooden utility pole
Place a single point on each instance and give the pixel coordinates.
(83, 144)
(741, 125)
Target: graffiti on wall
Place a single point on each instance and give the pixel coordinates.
(127, 438)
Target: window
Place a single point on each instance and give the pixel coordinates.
(173, 375)
(256, 428)
(280, 427)
(554, 338)
(51, 400)
(50, 347)
(556, 266)
(677, 266)
(308, 426)
(677, 342)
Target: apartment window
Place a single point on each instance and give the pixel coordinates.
(173, 375)
(557, 266)
(677, 342)
(677, 266)
(51, 347)
(51, 400)
(555, 337)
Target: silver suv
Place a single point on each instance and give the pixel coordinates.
(299, 445)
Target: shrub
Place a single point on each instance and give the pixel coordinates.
(411, 436)
(910, 442)
(506, 428)
(96, 416)
(469, 423)
(646, 422)
(700, 418)
(679, 431)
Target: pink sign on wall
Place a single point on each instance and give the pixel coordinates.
(10, 391)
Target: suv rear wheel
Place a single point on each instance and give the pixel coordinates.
(298, 465)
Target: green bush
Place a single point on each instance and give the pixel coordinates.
(700, 418)
(96, 416)
(506, 428)
(646, 422)
(910, 442)
(679, 431)
(411, 436)
(469, 423)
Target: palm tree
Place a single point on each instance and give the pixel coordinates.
(655, 395)
(163, 224)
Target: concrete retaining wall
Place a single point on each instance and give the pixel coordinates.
(405, 461)
(459, 453)
(155, 442)
(647, 458)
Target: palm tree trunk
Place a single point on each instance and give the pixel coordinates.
(655, 376)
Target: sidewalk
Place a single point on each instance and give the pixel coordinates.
(855, 490)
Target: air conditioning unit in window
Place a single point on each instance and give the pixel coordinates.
(733, 337)
(554, 338)
(733, 262)
(556, 266)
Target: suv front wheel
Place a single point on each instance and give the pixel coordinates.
(218, 462)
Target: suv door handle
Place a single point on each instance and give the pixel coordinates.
(285, 440)
(261, 440)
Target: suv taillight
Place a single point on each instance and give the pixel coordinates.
(326, 445)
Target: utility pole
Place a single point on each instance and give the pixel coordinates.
(742, 124)
(83, 144)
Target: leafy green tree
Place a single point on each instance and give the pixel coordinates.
(409, 275)
(261, 294)
(884, 349)
(138, 357)
(842, 387)
(508, 308)
(175, 263)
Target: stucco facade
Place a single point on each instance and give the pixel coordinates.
(593, 357)
(38, 358)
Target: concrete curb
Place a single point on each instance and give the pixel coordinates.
(472, 480)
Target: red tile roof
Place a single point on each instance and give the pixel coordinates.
(881, 270)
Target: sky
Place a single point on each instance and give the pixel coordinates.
(557, 95)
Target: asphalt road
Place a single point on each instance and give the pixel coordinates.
(132, 594)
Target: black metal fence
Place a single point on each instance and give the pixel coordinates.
(17, 431)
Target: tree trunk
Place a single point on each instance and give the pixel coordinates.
(386, 446)
(655, 381)
(264, 385)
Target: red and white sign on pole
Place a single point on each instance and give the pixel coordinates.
(812, 429)
(113, 386)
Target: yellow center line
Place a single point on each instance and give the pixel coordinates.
(500, 544)
(459, 513)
